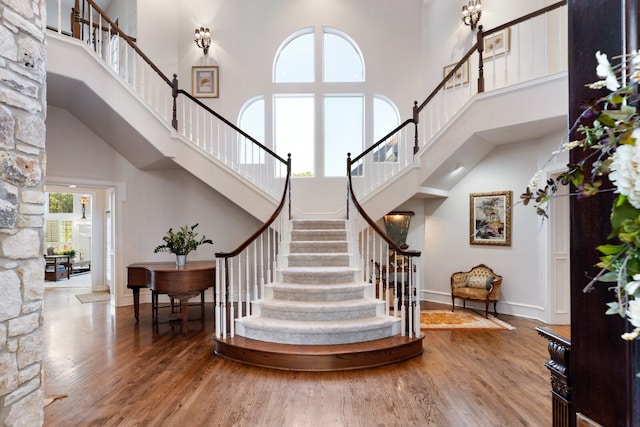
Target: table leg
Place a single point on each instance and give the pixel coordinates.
(184, 307)
(136, 303)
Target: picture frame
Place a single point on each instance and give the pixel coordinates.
(497, 44)
(460, 77)
(205, 81)
(490, 218)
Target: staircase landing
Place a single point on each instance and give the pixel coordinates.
(319, 358)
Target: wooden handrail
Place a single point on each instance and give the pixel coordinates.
(527, 17)
(228, 123)
(268, 222)
(122, 34)
(368, 219)
(382, 140)
(478, 46)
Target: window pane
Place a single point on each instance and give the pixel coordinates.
(252, 122)
(343, 132)
(385, 119)
(295, 61)
(294, 131)
(341, 62)
(60, 203)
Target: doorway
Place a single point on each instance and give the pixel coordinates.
(75, 227)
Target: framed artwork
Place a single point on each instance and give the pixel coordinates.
(490, 218)
(460, 77)
(204, 81)
(497, 43)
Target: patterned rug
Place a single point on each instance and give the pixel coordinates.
(93, 297)
(439, 320)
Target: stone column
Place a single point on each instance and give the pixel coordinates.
(22, 203)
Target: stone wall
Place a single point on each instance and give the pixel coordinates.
(22, 204)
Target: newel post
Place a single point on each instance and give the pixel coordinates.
(174, 93)
(480, 60)
(75, 20)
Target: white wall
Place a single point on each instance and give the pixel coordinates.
(445, 38)
(153, 200)
(447, 248)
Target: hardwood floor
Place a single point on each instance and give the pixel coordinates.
(117, 372)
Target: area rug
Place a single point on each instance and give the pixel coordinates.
(440, 320)
(93, 297)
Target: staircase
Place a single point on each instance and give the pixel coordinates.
(321, 314)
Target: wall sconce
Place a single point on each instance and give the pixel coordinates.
(397, 226)
(203, 39)
(83, 202)
(471, 13)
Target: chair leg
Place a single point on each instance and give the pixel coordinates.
(495, 311)
(486, 309)
(453, 303)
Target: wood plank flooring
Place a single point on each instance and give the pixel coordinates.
(119, 373)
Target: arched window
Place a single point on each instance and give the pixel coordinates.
(319, 120)
(251, 120)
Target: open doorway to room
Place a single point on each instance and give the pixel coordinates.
(75, 243)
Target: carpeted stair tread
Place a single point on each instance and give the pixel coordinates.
(324, 246)
(318, 305)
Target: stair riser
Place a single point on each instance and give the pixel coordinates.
(341, 260)
(317, 235)
(317, 297)
(284, 337)
(316, 279)
(318, 225)
(318, 247)
(319, 316)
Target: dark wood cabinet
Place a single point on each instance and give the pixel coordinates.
(57, 267)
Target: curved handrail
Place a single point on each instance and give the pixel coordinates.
(127, 38)
(368, 219)
(268, 222)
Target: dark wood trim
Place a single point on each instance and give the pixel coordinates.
(319, 357)
(602, 369)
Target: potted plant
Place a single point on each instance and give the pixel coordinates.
(181, 242)
(70, 252)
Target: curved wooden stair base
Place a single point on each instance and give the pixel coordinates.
(318, 357)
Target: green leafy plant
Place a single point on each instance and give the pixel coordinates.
(70, 252)
(182, 242)
(610, 130)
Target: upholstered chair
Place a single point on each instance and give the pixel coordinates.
(478, 284)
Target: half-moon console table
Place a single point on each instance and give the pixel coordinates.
(181, 283)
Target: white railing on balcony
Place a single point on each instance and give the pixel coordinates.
(215, 137)
(511, 54)
(528, 48)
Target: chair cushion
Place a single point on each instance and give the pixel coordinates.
(471, 293)
(478, 282)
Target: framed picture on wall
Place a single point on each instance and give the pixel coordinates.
(459, 78)
(497, 44)
(490, 218)
(204, 81)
